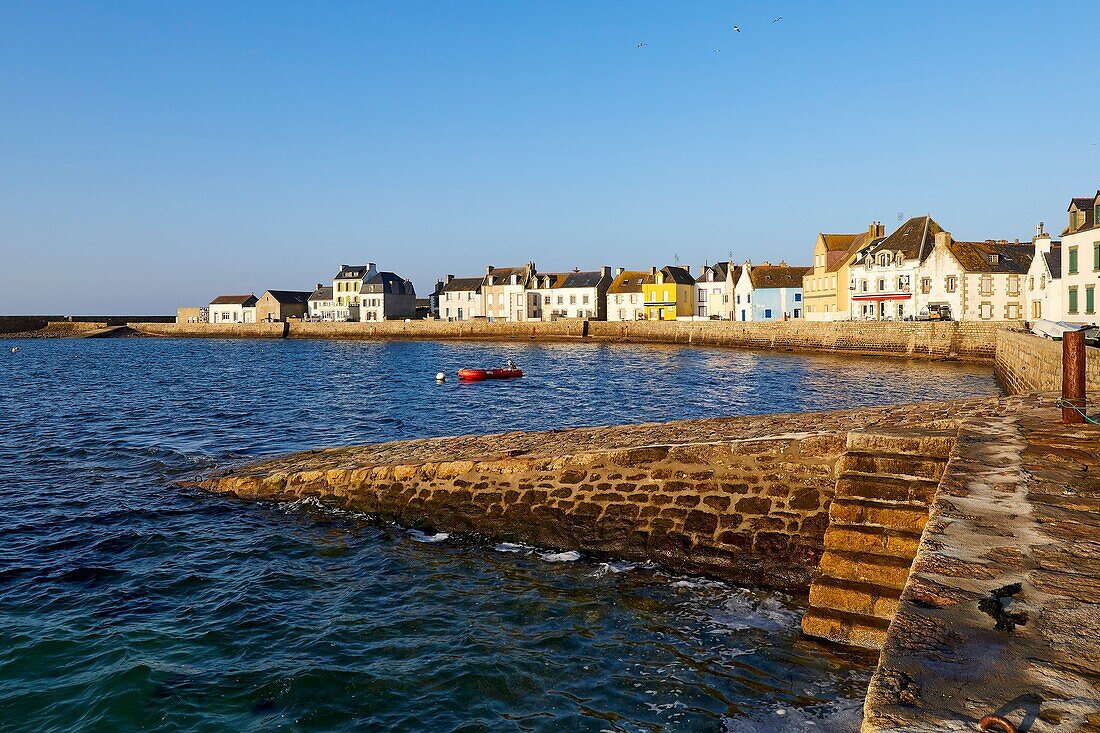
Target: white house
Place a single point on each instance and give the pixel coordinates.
(977, 281)
(714, 290)
(321, 305)
(233, 309)
(570, 295)
(1081, 260)
(625, 301)
(1043, 289)
(386, 296)
(882, 277)
(460, 298)
(768, 292)
(347, 287)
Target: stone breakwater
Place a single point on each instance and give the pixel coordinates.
(1027, 363)
(915, 529)
(970, 341)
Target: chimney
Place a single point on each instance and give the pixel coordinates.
(782, 263)
(448, 278)
(943, 239)
(319, 286)
(877, 229)
(766, 263)
(652, 270)
(605, 271)
(619, 271)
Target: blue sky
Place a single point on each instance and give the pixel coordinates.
(154, 154)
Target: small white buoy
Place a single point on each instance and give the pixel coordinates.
(14, 349)
(441, 377)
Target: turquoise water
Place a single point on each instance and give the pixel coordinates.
(127, 603)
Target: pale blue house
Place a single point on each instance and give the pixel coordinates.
(768, 292)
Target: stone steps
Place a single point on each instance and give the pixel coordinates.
(886, 484)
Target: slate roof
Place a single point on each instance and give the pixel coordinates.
(290, 297)
(351, 272)
(1084, 203)
(501, 275)
(777, 276)
(322, 293)
(720, 270)
(975, 256)
(914, 239)
(245, 300)
(630, 281)
(391, 283)
(463, 284)
(580, 280)
(1054, 262)
(678, 275)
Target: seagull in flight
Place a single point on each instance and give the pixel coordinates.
(778, 19)
(737, 29)
(718, 50)
(641, 45)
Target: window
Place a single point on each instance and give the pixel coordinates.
(572, 300)
(767, 312)
(1073, 299)
(863, 285)
(881, 284)
(951, 283)
(901, 310)
(985, 285)
(1096, 256)
(1031, 283)
(702, 296)
(1090, 299)
(884, 259)
(1013, 284)
(633, 297)
(798, 297)
(1013, 311)
(985, 311)
(738, 300)
(546, 299)
(1036, 309)
(1072, 260)
(561, 299)
(584, 299)
(926, 285)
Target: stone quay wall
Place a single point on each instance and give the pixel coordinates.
(27, 324)
(1025, 362)
(743, 499)
(969, 341)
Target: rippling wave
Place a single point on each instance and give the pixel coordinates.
(127, 604)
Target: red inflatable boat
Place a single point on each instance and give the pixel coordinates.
(476, 375)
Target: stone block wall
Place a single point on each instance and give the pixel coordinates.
(213, 330)
(1025, 362)
(753, 510)
(422, 329)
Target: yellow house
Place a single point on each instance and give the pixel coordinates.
(825, 288)
(669, 294)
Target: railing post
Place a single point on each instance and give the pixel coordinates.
(1073, 377)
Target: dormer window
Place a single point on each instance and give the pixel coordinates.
(899, 258)
(994, 258)
(884, 259)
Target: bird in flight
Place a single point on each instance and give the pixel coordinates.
(737, 29)
(778, 19)
(641, 45)
(718, 50)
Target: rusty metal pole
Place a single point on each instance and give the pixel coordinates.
(1073, 377)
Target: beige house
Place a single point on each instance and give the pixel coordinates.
(825, 290)
(189, 314)
(625, 301)
(977, 281)
(278, 305)
(505, 292)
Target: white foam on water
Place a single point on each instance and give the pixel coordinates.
(568, 556)
(419, 536)
(511, 547)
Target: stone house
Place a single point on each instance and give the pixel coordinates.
(624, 296)
(193, 314)
(1081, 260)
(670, 295)
(882, 277)
(387, 296)
(322, 305)
(768, 292)
(714, 290)
(347, 286)
(279, 305)
(233, 309)
(505, 291)
(825, 291)
(460, 298)
(1043, 298)
(977, 281)
(570, 295)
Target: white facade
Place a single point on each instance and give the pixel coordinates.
(1043, 288)
(232, 313)
(714, 291)
(1081, 275)
(768, 292)
(625, 307)
(978, 281)
(460, 299)
(322, 305)
(505, 292)
(881, 286)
